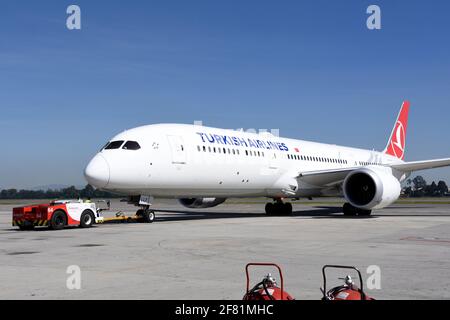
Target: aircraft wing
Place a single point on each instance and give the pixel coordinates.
(336, 176)
(325, 177)
(421, 165)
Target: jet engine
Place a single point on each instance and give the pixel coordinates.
(371, 188)
(201, 202)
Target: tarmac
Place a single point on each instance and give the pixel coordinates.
(202, 253)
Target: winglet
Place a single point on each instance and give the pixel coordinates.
(397, 142)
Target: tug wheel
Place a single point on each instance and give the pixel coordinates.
(58, 221)
(87, 219)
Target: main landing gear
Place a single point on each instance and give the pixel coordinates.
(279, 208)
(350, 210)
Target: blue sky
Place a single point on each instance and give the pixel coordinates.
(310, 68)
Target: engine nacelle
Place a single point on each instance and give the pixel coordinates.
(371, 188)
(201, 202)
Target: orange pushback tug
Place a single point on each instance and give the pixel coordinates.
(57, 214)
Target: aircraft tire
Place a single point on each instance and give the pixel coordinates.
(148, 216)
(287, 208)
(270, 209)
(349, 210)
(364, 213)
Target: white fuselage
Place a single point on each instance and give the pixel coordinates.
(185, 161)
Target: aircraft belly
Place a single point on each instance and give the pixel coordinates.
(195, 192)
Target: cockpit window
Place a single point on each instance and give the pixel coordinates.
(114, 145)
(104, 146)
(131, 145)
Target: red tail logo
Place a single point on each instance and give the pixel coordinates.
(397, 143)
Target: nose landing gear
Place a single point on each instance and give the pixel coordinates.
(278, 208)
(146, 214)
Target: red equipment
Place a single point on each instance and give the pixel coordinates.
(57, 214)
(267, 289)
(348, 291)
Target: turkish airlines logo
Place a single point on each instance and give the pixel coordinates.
(398, 140)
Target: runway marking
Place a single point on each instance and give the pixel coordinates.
(89, 245)
(435, 240)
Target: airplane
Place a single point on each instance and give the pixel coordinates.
(203, 166)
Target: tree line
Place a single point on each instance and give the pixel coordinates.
(67, 193)
(418, 187)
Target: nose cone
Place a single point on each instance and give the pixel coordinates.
(97, 172)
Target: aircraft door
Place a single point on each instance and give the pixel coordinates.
(178, 149)
(274, 161)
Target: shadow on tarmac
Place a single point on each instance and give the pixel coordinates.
(316, 212)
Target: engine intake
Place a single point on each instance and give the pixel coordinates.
(371, 188)
(201, 202)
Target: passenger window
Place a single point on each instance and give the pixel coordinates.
(131, 145)
(114, 145)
